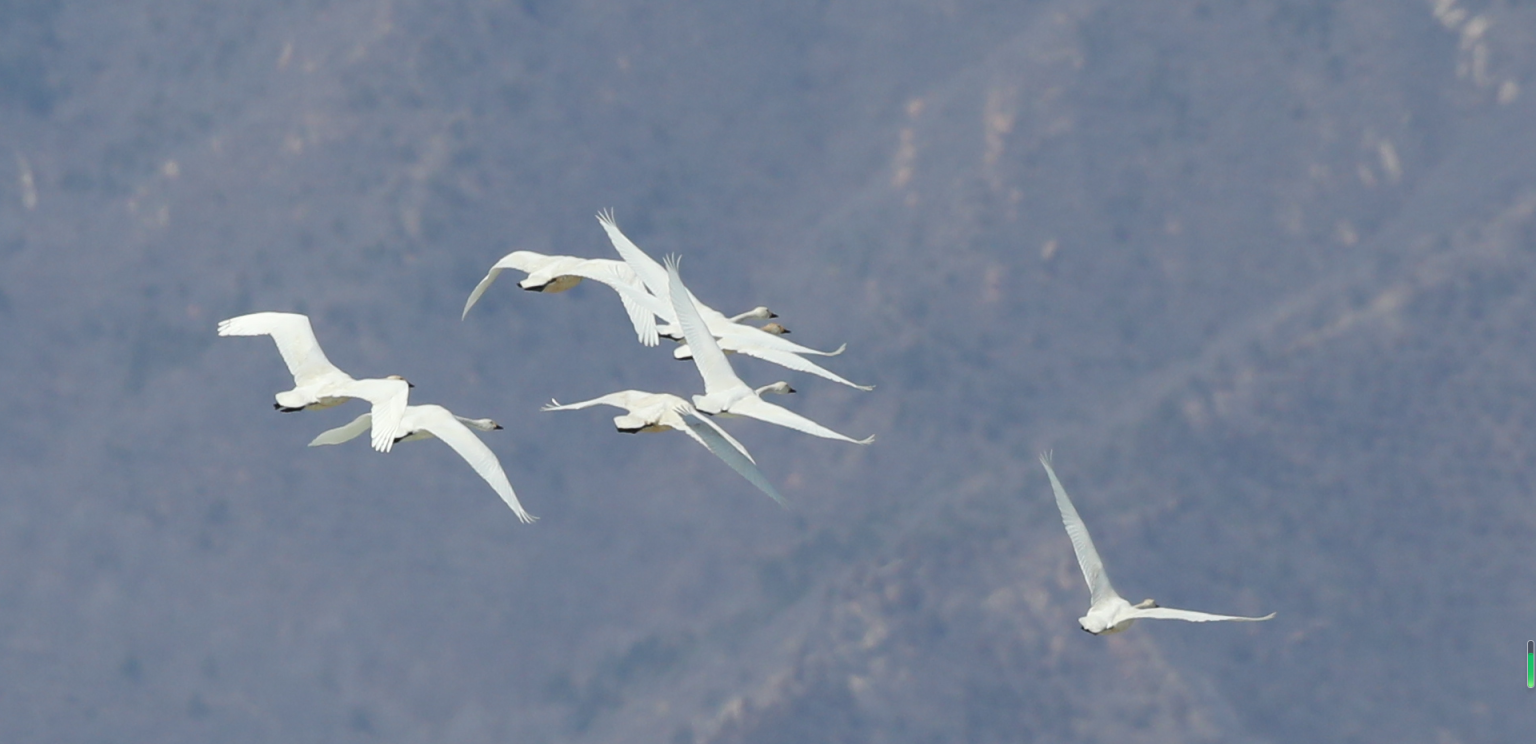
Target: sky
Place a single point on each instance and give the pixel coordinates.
(1257, 273)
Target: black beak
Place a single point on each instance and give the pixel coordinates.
(499, 426)
(409, 384)
(772, 314)
(791, 390)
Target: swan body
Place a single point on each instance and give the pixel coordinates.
(317, 383)
(430, 421)
(555, 274)
(1108, 612)
(656, 412)
(724, 392)
(654, 278)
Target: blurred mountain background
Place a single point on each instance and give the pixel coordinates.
(1260, 273)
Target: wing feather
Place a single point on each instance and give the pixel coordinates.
(389, 399)
(754, 336)
(641, 306)
(1168, 613)
(707, 356)
(620, 399)
(480, 290)
(714, 439)
(762, 410)
(792, 361)
(444, 426)
(344, 433)
(295, 342)
(1099, 587)
(651, 273)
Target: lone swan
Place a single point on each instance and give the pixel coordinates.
(1108, 612)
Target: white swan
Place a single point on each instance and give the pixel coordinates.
(654, 278)
(724, 392)
(735, 344)
(1108, 612)
(316, 382)
(428, 421)
(652, 412)
(559, 273)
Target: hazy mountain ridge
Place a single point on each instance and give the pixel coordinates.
(1167, 241)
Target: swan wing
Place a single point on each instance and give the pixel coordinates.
(651, 274)
(714, 439)
(1168, 613)
(344, 433)
(762, 410)
(442, 424)
(755, 336)
(389, 398)
(479, 290)
(641, 306)
(790, 361)
(643, 321)
(295, 341)
(707, 356)
(1099, 588)
(524, 261)
(622, 399)
(690, 416)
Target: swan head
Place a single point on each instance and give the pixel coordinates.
(776, 329)
(484, 424)
(758, 313)
(778, 388)
(408, 383)
(1145, 604)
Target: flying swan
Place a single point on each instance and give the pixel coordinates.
(724, 392)
(1108, 612)
(428, 421)
(765, 343)
(654, 277)
(558, 273)
(653, 412)
(317, 383)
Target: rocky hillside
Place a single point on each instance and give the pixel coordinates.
(1259, 273)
